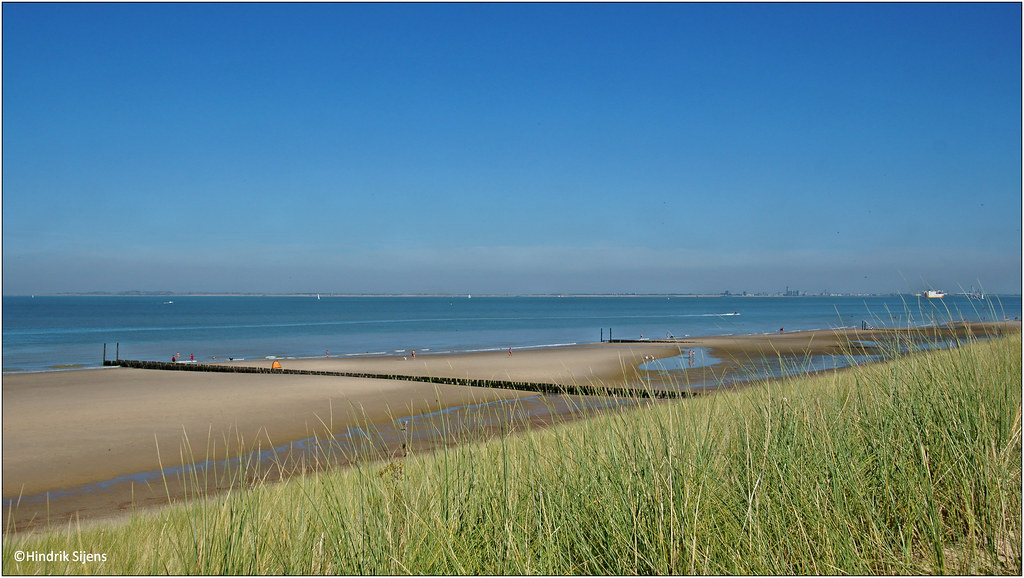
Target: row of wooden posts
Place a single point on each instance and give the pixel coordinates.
(549, 388)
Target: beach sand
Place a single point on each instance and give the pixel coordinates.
(65, 430)
(590, 364)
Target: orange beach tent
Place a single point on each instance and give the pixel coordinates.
(277, 365)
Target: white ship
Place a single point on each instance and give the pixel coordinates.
(930, 294)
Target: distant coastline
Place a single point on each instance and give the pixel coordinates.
(464, 295)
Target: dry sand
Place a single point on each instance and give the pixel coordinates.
(66, 429)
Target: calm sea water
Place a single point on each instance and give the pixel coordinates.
(46, 333)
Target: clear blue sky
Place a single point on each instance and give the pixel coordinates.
(531, 148)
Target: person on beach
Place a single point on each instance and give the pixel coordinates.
(510, 352)
(414, 354)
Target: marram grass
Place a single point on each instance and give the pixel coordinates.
(911, 466)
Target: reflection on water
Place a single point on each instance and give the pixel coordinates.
(689, 358)
(773, 367)
(672, 372)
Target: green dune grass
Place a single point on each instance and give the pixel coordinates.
(911, 466)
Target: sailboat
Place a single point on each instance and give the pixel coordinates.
(975, 294)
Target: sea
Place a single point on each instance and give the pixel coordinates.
(61, 333)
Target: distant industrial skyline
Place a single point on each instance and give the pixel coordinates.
(511, 148)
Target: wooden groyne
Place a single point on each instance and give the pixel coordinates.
(549, 388)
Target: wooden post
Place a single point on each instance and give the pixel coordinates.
(602, 337)
(104, 354)
(117, 352)
(609, 335)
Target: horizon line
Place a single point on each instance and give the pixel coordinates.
(759, 293)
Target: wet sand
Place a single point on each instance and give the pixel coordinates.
(64, 430)
(838, 341)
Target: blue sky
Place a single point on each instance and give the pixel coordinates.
(529, 148)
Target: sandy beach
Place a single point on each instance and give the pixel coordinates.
(69, 429)
(64, 430)
(590, 364)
